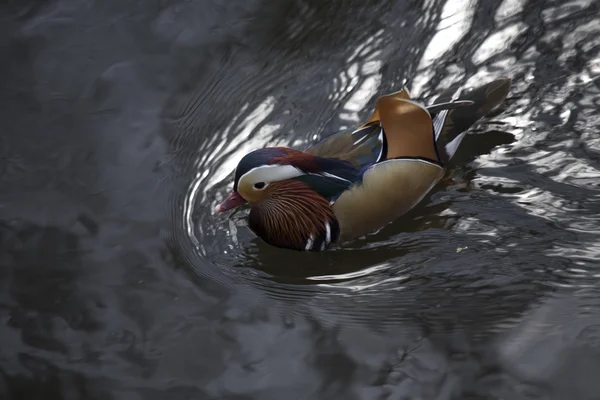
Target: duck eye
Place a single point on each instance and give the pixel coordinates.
(259, 185)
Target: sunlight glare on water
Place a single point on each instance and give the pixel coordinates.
(124, 120)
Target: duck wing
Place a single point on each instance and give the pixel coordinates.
(362, 147)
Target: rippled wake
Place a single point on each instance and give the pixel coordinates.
(124, 121)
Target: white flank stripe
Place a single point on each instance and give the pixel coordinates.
(412, 160)
(327, 174)
(309, 242)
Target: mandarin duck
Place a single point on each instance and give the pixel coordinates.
(352, 183)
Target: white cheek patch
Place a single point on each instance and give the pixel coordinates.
(270, 173)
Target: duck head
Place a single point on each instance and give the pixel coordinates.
(290, 194)
(255, 174)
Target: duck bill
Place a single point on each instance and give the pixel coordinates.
(232, 201)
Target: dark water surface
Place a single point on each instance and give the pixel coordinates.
(122, 121)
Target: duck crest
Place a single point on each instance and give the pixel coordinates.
(303, 162)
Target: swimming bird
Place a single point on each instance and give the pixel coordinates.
(352, 183)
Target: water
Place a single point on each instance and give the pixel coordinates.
(123, 120)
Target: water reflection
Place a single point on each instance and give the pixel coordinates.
(491, 161)
(124, 119)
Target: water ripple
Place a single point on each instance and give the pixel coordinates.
(123, 121)
(537, 172)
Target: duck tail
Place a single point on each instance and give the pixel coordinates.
(453, 112)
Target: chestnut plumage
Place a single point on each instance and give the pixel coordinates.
(295, 216)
